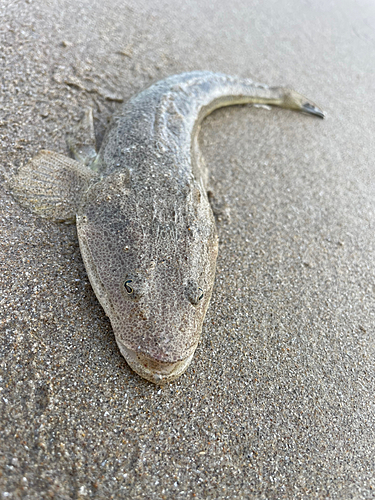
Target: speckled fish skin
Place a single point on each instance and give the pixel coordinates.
(145, 226)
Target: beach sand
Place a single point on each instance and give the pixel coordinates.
(279, 399)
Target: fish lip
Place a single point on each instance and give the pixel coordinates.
(157, 372)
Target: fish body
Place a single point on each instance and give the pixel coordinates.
(145, 225)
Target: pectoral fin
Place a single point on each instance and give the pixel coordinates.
(51, 185)
(82, 142)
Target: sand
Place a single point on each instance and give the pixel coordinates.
(279, 400)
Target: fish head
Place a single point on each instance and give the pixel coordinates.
(152, 267)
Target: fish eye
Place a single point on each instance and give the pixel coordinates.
(135, 286)
(127, 286)
(193, 292)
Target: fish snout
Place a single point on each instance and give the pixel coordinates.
(158, 372)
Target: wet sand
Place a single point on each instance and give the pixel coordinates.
(279, 399)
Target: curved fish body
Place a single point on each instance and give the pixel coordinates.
(145, 226)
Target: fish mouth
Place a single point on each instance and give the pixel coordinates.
(157, 372)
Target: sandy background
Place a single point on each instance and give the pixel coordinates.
(279, 400)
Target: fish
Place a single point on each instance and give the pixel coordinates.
(145, 225)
